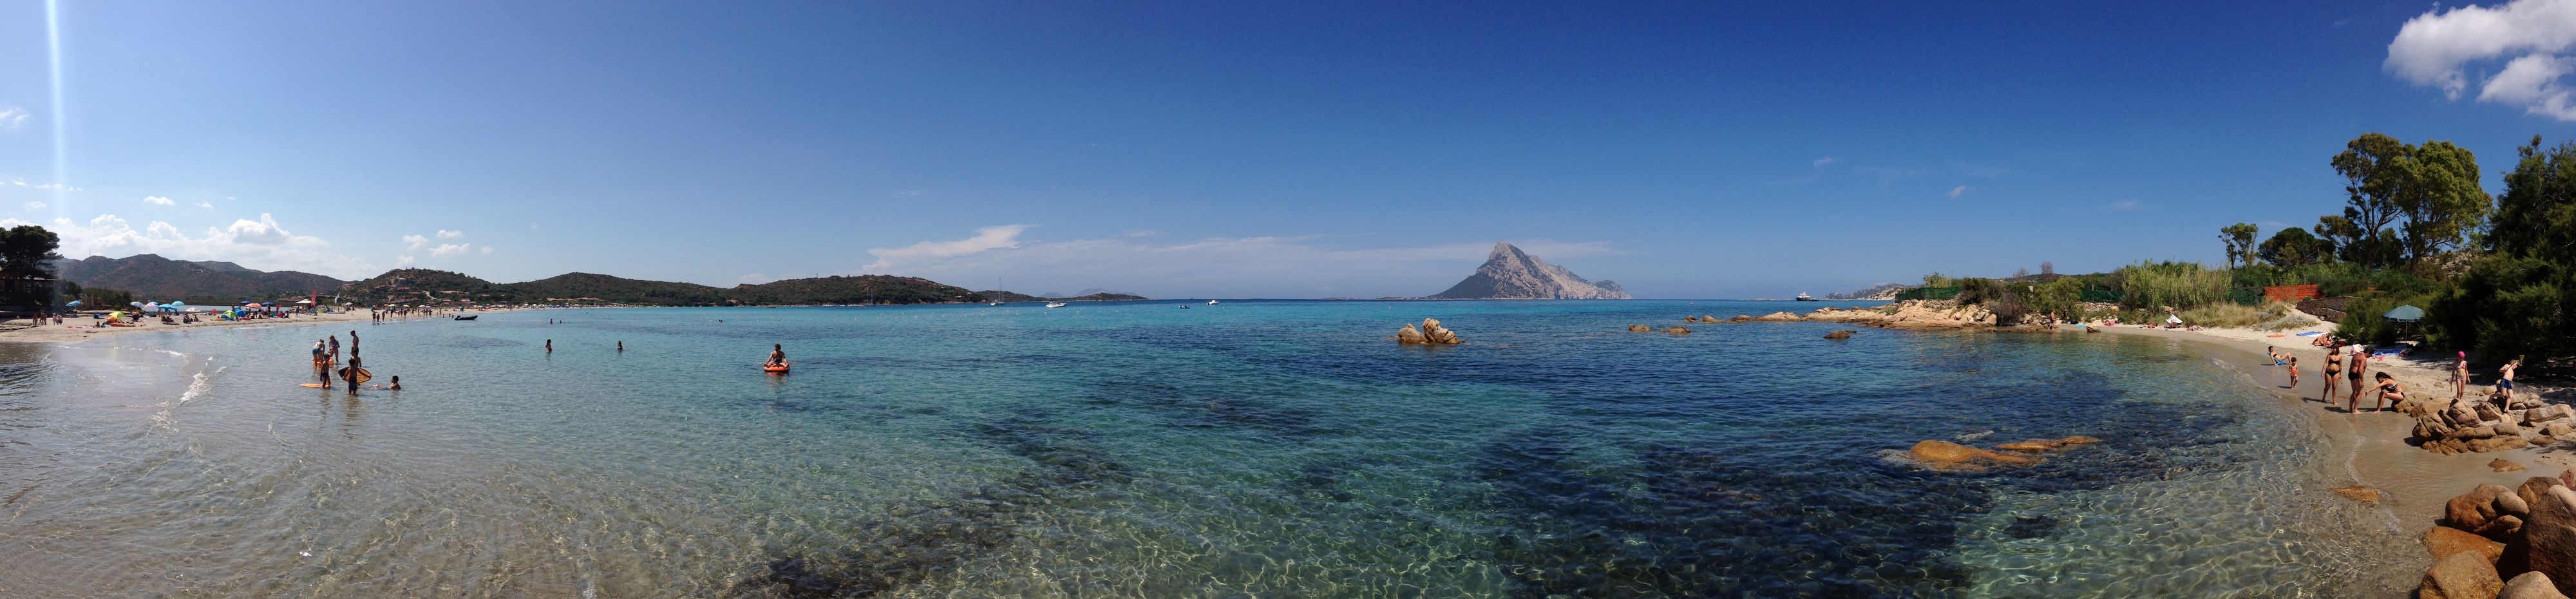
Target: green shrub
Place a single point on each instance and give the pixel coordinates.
(2225, 315)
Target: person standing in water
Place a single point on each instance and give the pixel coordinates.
(353, 345)
(621, 346)
(777, 355)
(550, 346)
(335, 348)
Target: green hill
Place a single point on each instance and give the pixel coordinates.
(152, 277)
(865, 289)
(416, 285)
(603, 288)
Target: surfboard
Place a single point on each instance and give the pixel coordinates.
(316, 385)
(356, 375)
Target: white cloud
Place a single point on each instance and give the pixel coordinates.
(487, 250)
(417, 242)
(1955, 191)
(23, 183)
(157, 200)
(260, 244)
(446, 234)
(1231, 267)
(35, 206)
(2436, 47)
(206, 205)
(1824, 161)
(12, 117)
(451, 249)
(987, 238)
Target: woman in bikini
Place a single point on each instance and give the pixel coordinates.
(2334, 367)
(2359, 366)
(2389, 392)
(2460, 377)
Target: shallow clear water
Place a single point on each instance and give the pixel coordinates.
(1251, 449)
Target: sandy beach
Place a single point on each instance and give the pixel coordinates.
(2372, 447)
(72, 330)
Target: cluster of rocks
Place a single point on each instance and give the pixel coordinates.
(2499, 543)
(2445, 426)
(1912, 314)
(1430, 334)
(1947, 456)
(1639, 328)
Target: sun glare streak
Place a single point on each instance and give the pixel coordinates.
(62, 151)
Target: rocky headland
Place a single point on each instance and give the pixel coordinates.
(1510, 274)
(1913, 314)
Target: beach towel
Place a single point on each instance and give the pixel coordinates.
(2312, 333)
(2388, 350)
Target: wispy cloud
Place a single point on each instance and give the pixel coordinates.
(987, 238)
(158, 200)
(262, 244)
(1957, 191)
(12, 117)
(446, 234)
(416, 242)
(1824, 161)
(23, 183)
(35, 206)
(2435, 48)
(206, 205)
(487, 250)
(450, 249)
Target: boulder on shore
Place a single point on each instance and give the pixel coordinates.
(2461, 576)
(2443, 541)
(2473, 509)
(2551, 534)
(2531, 585)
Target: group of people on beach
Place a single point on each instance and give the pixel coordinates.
(2351, 364)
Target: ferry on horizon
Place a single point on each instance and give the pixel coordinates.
(1802, 296)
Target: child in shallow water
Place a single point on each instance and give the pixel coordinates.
(2294, 373)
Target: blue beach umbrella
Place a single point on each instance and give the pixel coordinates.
(2405, 314)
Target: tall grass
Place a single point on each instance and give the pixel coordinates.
(2178, 285)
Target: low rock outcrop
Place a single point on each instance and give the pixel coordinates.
(1840, 334)
(1678, 331)
(1431, 333)
(1639, 328)
(1912, 314)
(2448, 427)
(2528, 533)
(1945, 455)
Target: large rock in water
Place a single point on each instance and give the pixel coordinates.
(2551, 532)
(2463, 575)
(1510, 274)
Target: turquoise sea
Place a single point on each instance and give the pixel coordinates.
(1248, 449)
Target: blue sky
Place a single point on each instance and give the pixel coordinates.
(1693, 150)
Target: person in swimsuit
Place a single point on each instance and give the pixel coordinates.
(2359, 366)
(777, 355)
(2389, 392)
(2460, 377)
(2504, 381)
(2294, 374)
(2334, 368)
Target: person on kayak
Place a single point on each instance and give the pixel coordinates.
(777, 355)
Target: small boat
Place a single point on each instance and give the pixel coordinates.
(1056, 304)
(1802, 296)
(1211, 302)
(467, 316)
(776, 368)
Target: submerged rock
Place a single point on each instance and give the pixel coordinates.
(1639, 328)
(1840, 334)
(2361, 494)
(1944, 454)
(1678, 331)
(2503, 465)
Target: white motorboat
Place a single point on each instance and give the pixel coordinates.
(1056, 304)
(1211, 302)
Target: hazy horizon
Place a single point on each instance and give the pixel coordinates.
(1187, 150)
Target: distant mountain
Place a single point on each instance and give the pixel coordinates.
(993, 295)
(152, 277)
(1006, 296)
(415, 285)
(1510, 274)
(1874, 292)
(866, 289)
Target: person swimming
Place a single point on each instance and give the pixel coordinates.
(777, 355)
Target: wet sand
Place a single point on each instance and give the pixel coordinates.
(2371, 449)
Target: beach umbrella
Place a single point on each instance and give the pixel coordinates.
(2405, 314)
(74, 303)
